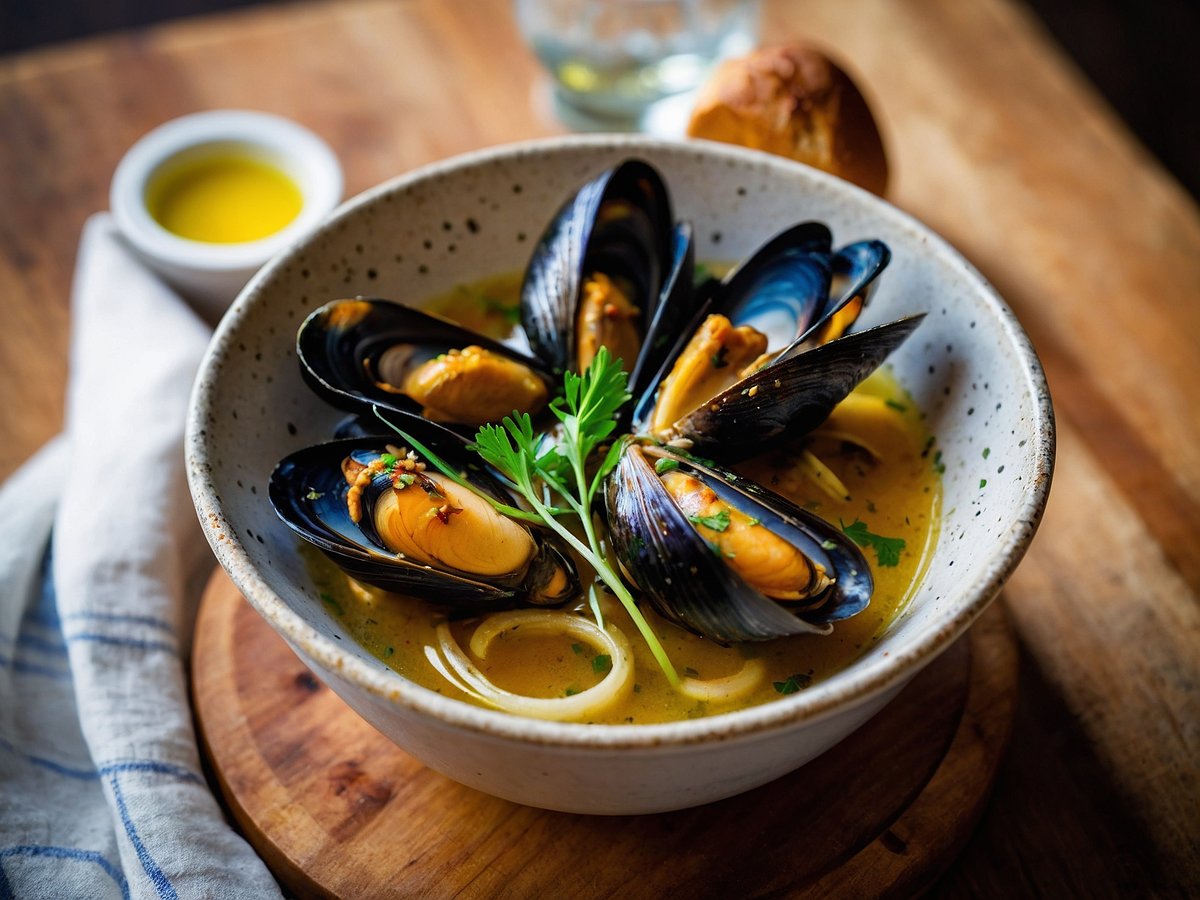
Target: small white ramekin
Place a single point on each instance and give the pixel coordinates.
(210, 275)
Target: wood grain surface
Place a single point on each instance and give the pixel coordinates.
(995, 141)
(337, 810)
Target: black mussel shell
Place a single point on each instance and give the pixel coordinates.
(308, 492)
(782, 288)
(789, 398)
(856, 268)
(619, 223)
(688, 583)
(359, 426)
(340, 346)
(677, 305)
(860, 264)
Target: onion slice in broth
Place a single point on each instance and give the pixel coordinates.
(740, 684)
(456, 667)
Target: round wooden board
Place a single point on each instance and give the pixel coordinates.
(337, 810)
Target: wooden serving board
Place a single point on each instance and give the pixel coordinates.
(337, 810)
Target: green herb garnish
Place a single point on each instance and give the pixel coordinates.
(887, 550)
(510, 313)
(896, 405)
(328, 600)
(314, 494)
(938, 465)
(665, 465)
(717, 522)
(587, 411)
(793, 683)
(601, 663)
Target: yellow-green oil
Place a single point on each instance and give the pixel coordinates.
(226, 198)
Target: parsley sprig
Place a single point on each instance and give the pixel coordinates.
(887, 550)
(531, 462)
(457, 477)
(718, 521)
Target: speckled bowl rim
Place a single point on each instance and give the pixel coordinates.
(846, 690)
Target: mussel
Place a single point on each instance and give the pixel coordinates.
(390, 520)
(724, 557)
(365, 352)
(767, 356)
(787, 399)
(611, 268)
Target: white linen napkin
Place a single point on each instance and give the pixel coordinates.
(102, 562)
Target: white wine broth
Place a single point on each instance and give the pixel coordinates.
(868, 471)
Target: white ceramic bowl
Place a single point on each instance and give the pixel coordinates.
(211, 275)
(969, 367)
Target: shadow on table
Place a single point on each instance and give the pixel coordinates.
(1100, 849)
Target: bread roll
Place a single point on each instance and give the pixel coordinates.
(794, 101)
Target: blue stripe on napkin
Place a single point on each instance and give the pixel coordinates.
(41, 850)
(158, 878)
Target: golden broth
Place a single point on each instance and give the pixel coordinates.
(893, 490)
(224, 199)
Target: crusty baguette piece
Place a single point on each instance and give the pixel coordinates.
(794, 101)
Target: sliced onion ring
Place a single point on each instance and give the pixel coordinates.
(732, 687)
(822, 476)
(586, 704)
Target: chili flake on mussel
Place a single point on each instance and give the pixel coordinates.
(383, 515)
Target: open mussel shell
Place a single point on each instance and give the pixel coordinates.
(789, 290)
(856, 268)
(795, 283)
(789, 398)
(691, 583)
(676, 306)
(308, 491)
(782, 289)
(620, 225)
(353, 352)
(858, 265)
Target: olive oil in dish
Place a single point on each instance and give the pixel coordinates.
(226, 198)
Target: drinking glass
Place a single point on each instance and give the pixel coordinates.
(613, 59)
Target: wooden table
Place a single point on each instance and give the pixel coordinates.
(995, 141)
